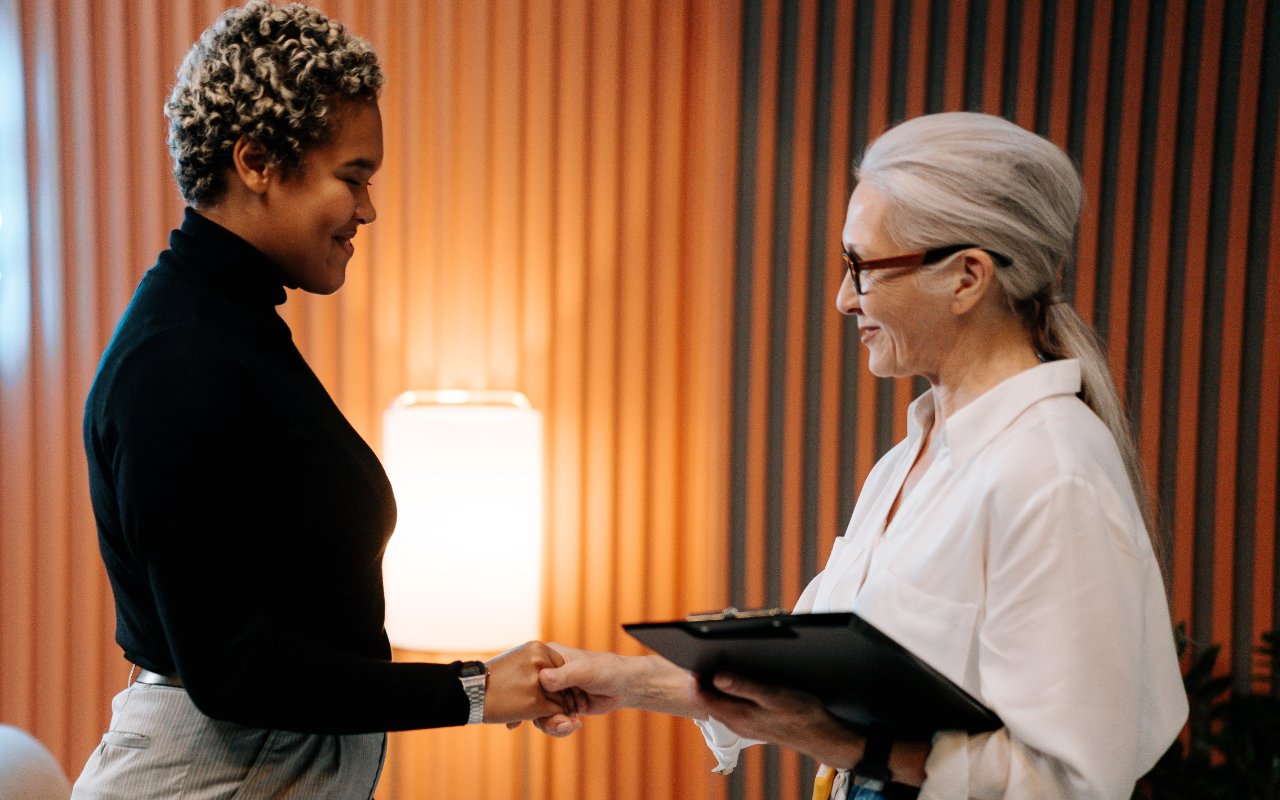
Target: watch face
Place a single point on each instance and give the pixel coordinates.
(472, 669)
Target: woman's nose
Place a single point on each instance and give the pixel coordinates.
(847, 300)
(365, 212)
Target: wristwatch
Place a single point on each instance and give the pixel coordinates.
(474, 675)
(872, 772)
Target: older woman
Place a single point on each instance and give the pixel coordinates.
(241, 518)
(1006, 539)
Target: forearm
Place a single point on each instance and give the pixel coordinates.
(656, 684)
(841, 748)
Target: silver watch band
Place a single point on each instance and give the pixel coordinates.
(474, 675)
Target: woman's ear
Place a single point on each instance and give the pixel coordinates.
(249, 158)
(977, 273)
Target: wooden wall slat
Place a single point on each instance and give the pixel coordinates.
(1064, 56)
(671, 316)
(1095, 114)
(633, 261)
(832, 504)
(48, 383)
(957, 38)
(994, 57)
(1192, 319)
(601, 402)
(1238, 624)
(1028, 67)
(797, 256)
(755, 591)
(1149, 419)
(1127, 130)
(904, 389)
(1267, 558)
(764, 71)
(878, 119)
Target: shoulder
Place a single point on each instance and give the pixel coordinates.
(1055, 436)
(160, 371)
(1057, 466)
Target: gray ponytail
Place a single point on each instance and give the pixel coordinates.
(965, 177)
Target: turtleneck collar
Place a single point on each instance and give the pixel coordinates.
(236, 269)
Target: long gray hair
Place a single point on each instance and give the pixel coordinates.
(965, 177)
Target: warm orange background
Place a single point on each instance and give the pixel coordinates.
(558, 214)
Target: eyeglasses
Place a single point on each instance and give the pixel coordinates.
(856, 266)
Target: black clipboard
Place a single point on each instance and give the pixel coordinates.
(860, 674)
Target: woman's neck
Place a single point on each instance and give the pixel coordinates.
(980, 357)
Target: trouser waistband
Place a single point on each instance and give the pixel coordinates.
(157, 679)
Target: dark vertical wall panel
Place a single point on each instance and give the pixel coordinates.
(1169, 109)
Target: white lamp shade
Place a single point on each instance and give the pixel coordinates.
(463, 571)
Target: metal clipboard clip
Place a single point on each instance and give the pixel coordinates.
(733, 613)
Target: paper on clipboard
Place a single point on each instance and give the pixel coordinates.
(860, 674)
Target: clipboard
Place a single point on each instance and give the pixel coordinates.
(861, 675)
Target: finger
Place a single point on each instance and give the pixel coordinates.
(563, 649)
(730, 710)
(552, 657)
(557, 725)
(511, 726)
(556, 679)
(566, 700)
(738, 686)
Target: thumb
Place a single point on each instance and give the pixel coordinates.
(554, 679)
(738, 686)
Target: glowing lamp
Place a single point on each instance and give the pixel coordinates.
(463, 571)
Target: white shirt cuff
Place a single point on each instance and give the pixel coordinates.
(724, 744)
(947, 767)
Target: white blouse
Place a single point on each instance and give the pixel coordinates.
(1019, 567)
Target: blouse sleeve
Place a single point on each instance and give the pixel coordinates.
(1075, 655)
(724, 744)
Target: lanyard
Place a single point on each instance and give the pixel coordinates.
(823, 781)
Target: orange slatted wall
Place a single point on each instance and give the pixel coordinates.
(628, 209)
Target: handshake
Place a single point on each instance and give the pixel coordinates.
(555, 686)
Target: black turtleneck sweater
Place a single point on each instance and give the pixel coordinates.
(241, 518)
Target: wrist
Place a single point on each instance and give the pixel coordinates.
(838, 747)
(655, 684)
(872, 770)
(474, 676)
(907, 760)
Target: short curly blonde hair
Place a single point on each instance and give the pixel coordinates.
(267, 72)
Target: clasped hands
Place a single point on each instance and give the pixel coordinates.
(589, 683)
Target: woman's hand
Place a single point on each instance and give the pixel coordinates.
(784, 716)
(603, 682)
(798, 721)
(513, 692)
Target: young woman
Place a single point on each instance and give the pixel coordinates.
(241, 518)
